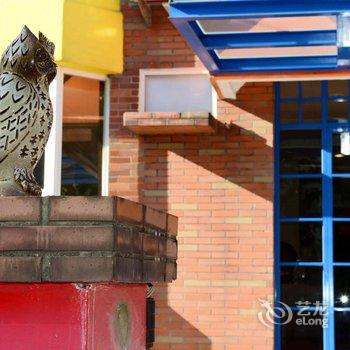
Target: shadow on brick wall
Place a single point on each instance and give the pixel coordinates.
(233, 158)
(173, 330)
(215, 184)
(206, 180)
(138, 169)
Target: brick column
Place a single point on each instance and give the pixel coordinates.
(85, 239)
(101, 250)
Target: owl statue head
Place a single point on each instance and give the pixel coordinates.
(30, 57)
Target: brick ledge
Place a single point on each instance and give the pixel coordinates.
(169, 123)
(85, 239)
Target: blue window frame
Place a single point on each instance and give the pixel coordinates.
(312, 211)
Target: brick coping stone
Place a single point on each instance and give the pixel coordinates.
(85, 239)
(155, 123)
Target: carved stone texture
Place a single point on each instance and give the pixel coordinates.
(26, 70)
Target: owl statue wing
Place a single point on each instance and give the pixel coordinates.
(18, 112)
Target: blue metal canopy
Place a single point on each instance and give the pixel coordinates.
(237, 36)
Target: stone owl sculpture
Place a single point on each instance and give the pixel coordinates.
(26, 70)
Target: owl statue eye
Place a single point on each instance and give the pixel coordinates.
(41, 58)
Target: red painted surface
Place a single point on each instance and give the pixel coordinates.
(67, 317)
(102, 318)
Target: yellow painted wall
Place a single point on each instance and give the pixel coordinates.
(43, 15)
(113, 5)
(88, 34)
(98, 39)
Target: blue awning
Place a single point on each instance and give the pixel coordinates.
(241, 36)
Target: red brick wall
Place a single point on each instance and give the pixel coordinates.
(221, 188)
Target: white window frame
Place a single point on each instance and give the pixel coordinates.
(53, 150)
(144, 73)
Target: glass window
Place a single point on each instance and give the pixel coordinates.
(341, 244)
(342, 286)
(301, 198)
(289, 89)
(298, 156)
(311, 112)
(298, 334)
(341, 197)
(342, 333)
(82, 136)
(301, 284)
(301, 241)
(338, 110)
(311, 89)
(178, 93)
(289, 112)
(341, 162)
(304, 260)
(299, 103)
(338, 88)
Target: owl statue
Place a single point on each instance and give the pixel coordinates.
(27, 68)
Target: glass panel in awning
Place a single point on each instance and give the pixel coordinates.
(278, 52)
(257, 36)
(274, 24)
